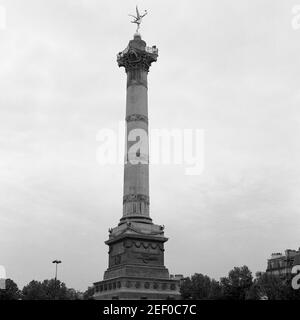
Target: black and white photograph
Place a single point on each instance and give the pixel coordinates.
(149, 150)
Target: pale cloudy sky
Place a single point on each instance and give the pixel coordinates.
(229, 67)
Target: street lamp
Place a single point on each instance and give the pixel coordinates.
(56, 263)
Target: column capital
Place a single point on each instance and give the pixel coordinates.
(137, 56)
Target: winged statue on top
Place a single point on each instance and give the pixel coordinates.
(138, 18)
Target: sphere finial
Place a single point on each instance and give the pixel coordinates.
(137, 36)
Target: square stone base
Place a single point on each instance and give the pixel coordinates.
(135, 288)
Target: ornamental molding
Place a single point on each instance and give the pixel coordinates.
(133, 58)
(145, 245)
(137, 117)
(136, 198)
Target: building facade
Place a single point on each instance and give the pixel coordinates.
(281, 264)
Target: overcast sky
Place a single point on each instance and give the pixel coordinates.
(229, 67)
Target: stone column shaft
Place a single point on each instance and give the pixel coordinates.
(136, 59)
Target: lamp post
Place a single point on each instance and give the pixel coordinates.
(56, 263)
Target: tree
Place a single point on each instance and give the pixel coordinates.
(215, 292)
(73, 294)
(88, 294)
(237, 284)
(49, 290)
(11, 291)
(273, 287)
(200, 287)
(34, 291)
(186, 288)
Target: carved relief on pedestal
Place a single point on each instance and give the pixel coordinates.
(117, 259)
(145, 252)
(136, 251)
(164, 286)
(155, 285)
(116, 253)
(147, 257)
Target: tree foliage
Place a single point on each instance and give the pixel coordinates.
(272, 287)
(88, 294)
(237, 284)
(11, 291)
(233, 287)
(200, 287)
(49, 290)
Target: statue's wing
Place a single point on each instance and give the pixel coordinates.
(137, 12)
(144, 14)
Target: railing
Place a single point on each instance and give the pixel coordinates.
(121, 54)
(152, 50)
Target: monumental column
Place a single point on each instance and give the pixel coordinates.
(136, 267)
(136, 59)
